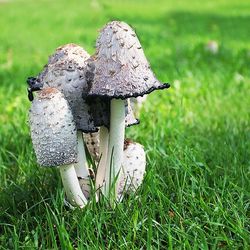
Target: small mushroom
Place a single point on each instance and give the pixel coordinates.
(54, 137)
(65, 71)
(133, 168)
(121, 71)
(212, 47)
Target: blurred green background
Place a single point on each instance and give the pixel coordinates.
(196, 134)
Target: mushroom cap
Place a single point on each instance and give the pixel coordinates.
(65, 71)
(133, 168)
(120, 67)
(53, 129)
(100, 110)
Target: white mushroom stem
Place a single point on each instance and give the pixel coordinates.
(81, 167)
(71, 185)
(116, 143)
(104, 141)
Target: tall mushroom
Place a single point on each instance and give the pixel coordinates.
(65, 71)
(54, 138)
(121, 71)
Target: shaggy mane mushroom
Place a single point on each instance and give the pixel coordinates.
(121, 71)
(54, 138)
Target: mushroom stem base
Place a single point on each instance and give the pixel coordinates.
(71, 185)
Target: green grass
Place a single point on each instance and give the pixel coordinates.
(196, 193)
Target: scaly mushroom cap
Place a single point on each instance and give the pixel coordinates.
(53, 129)
(65, 71)
(133, 168)
(121, 69)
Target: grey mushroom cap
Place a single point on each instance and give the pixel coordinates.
(53, 130)
(133, 168)
(100, 110)
(66, 71)
(119, 68)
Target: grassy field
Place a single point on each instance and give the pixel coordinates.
(196, 194)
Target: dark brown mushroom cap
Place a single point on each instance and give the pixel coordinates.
(66, 71)
(120, 67)
(53, 129)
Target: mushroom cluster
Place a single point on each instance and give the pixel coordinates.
(84, 103)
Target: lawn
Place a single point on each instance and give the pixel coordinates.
(196, 193)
